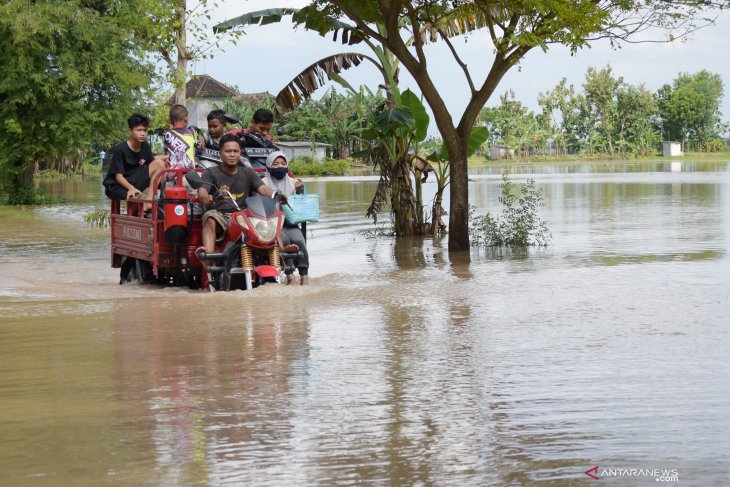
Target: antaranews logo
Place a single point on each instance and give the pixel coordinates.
(658, 474)
(592, 473)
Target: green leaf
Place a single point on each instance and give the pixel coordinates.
(421, 118)
(477, 137)
(394, 119)
(259, 17)
(436, 156)
(341, 81)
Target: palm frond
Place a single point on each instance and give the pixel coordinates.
(259, 17)
(316, 75)
(465, 18)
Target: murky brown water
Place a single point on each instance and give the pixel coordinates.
(400, 365)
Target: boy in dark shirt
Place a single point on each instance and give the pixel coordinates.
(229, 176)
(133, 164)
(261, 123)
(217, 125)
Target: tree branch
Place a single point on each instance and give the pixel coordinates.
(459, 61)
(417, 40)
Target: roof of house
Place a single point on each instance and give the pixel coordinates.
(204, 86)
(256, 97)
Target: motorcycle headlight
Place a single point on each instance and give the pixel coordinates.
(241, 221)
(265, 229)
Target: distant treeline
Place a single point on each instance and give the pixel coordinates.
(610, 116)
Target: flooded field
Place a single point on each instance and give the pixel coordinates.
(400, 364)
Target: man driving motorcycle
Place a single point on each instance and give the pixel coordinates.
(239, 181)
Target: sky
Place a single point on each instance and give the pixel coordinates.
(268, 57)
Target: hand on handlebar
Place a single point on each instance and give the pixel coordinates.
(206, 200)
(281, 198)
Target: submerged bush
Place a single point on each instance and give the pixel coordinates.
(99, 218)
(519, 225)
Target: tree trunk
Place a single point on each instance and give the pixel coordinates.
(459, 205)
(436, 215)
(181, 67)
(21, 182)
(402, 200)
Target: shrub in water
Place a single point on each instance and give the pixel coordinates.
(100, 218)
(519, 225)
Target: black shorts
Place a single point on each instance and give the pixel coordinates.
(115, 192)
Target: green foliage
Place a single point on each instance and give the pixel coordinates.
(175, 32)
(99, 218)
(73, 75)
(336, 119)
(513, 125)
(30, 195)
(519, 224)
(690, 108)
(303, 166)
(611, 117)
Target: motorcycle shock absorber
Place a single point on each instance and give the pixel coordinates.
(246, 258)
(275, 257)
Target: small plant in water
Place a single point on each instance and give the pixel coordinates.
(382, 230)
(519, 225)
(99, 218)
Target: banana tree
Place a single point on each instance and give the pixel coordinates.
(395, 136)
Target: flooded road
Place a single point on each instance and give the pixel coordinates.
(400, 364)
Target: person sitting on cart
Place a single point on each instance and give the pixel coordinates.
(261, 123)
(217, 125)
(277, 178)
(181, 144)
(133, 164)
(229, 176)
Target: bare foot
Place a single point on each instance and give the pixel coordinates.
(304, 280)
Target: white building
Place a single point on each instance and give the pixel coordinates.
(499, 151)
(303, 149)
(671, 149)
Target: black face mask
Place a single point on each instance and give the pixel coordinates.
(278, 172)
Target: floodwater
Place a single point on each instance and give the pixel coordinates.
(400, 364)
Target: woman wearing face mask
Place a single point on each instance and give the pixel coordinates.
(277, 178)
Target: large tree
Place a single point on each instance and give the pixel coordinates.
(71, 75)
(178, 32)
(514, 28)
(690, 108)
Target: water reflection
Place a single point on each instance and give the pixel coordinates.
(209, 390)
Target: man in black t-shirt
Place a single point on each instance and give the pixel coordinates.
(133, 164)
(241, 182)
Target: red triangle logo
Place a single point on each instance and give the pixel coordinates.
(593, 475)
